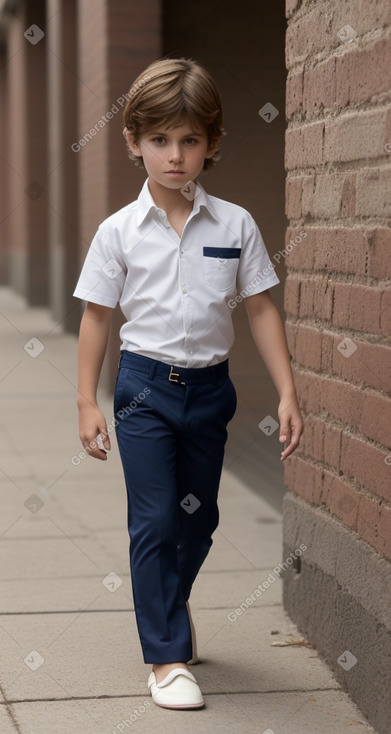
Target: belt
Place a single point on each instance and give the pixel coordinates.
(181, 375)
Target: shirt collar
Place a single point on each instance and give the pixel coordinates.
(146, 203)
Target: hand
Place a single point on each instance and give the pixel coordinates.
(291, 425)
(91, 423)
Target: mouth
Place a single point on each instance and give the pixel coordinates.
(177, 171)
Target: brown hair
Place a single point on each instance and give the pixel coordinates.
(168, 91)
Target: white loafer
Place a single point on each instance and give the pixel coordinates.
(195, 658)
(178, 690)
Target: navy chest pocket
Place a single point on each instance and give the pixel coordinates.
(220, 266)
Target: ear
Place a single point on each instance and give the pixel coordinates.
(213, 147)
(131, 142)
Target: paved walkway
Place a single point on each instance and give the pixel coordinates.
(70, 656)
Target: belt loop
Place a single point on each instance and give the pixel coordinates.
(214, 373)
(152, 369)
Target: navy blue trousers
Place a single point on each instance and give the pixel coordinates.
(171, 439)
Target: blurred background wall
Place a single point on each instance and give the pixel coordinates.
(64, 66)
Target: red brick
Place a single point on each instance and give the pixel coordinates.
(327, 195)
(379, 265)
(342, 498)
(318, 433)
(304, 146)
(322, 195)
(368, 366)
(348, 199)
(292, 295)
(332, 446)
(357, 307)
(341, 304)
(313, 137)
(307, 387)
(293, 148)
(290, 471)
(293, 194)
(308, 347)
(327, 352)
(365, 463)
(385, 313)
(302, 255)
(291, 332)
(375, 418)
(363, 73)
(319, 87)
(306, 305)
(364, 309)
(323, 298)
(341, 400)
(305, 479)
(341, 250)
(306, 36)
(387, 134)
(307, 438)
(294, 94)
(355, 135)
(373, 186)
(316, 298)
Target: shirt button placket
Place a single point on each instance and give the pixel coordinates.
(186, 300)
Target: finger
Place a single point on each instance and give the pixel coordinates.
(294, 442)
(92, 448)
(285, 433)
(105, 438)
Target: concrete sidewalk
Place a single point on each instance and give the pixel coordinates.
(71, 660)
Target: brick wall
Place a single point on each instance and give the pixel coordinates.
(337, 293)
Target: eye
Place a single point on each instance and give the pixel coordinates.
(158, 139)
(193, 140)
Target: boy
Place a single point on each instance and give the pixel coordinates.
(174, 259)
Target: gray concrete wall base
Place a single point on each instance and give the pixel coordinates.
(338, 592)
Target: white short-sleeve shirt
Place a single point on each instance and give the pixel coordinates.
(176, 293)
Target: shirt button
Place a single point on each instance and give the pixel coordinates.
(184, 290)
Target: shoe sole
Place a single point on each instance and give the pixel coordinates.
(181, 706)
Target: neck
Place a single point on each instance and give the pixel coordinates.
(169, 199)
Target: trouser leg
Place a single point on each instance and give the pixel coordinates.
(148, 449)
(199, 466)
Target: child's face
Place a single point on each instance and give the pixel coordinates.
(164, 150)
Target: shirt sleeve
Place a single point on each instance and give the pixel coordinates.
(103, 274)
(256, 271)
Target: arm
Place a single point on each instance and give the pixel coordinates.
(93, 338)
(269, 336)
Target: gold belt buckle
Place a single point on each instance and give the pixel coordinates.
(174, 376)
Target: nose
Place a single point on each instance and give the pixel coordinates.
(175, 153)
